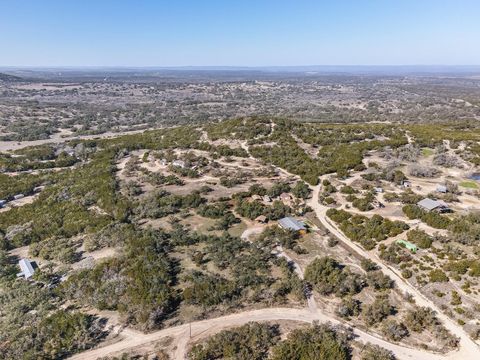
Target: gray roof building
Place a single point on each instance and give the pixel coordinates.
(27, 268)
(290, 223)
(442, 189)
(429, 204)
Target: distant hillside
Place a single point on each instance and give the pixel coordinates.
(9, 78)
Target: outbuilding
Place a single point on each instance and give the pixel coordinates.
(27, 268)
(179, 163)
(286, 198)
(408, 245)
(442, 189)
(261, 219)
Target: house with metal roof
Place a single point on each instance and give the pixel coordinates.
(428, 204)
(27, 268)
(289, 223)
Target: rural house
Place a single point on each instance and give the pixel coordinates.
(289, 223)
(428, 204)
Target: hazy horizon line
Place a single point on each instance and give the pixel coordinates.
(231, 66)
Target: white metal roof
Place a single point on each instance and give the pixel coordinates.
(291, 224)
(26, 267)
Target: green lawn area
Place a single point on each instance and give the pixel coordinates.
(469, 184)
(427, 152)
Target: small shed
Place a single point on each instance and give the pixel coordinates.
(408, 245)
(378, 190)
(267, 198)
(179, 163)
(442, 189)
(261, 219)
(286, 198)
(289, 223)
(27, 268)
(256, 197)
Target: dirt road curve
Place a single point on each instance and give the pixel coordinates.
(207, 327)
(468, 348)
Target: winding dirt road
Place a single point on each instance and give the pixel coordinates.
(469, 350)
(208, 327)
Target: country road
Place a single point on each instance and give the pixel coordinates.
(468, 348)
(204, 328)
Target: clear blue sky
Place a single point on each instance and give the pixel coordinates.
(239, 32)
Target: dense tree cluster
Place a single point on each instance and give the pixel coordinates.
(253, 209)
(138, 284)
(431, 218)
(251, 341)
(328, 277)
(420, 238)
(161, 203)
(375, 352)
(377, 311)
(366, 231)
(64, 209)
(315, 342)
(32, 326)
